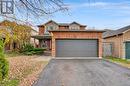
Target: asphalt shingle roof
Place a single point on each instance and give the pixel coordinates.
(110, 33)
(62, 24)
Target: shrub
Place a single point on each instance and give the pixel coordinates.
(2, 55)
(4, 65)
(37, 51)
(27, 48)
(4, 68)
(28, 53)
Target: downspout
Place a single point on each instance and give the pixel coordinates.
(119, 45)
(123, 50)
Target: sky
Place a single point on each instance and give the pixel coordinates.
(99, 14)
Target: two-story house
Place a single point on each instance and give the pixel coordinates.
(70, 39)
(9, 26)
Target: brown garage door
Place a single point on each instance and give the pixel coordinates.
(76, 48)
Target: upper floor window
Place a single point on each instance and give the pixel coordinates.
(46, 31)
(50, 27)
(74, 27)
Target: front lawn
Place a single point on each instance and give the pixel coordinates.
(9, 82)
(23, 70)
(13, 54)
(120, 61)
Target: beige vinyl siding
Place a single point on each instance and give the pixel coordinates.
(119, 44)
(126, 36)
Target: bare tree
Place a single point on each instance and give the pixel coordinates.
(40, 7)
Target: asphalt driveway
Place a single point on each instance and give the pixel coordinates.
(83, 73)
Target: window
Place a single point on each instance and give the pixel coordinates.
(74, 27)
(49, 28)
(46, 31)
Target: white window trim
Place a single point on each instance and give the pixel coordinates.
(74, 27)
(54, 27)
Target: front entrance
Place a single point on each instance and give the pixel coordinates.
(45, 44)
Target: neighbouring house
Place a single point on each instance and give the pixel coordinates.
(70, 39)
(34, 41)
(8, 25)
(117, 42)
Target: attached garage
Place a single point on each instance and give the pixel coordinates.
(77, 48)
(80, 43)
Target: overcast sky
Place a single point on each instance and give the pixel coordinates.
(101, 14)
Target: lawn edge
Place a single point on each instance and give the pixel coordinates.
(35, 82)
(116, 63)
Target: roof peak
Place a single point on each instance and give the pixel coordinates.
(62, 24)
(110, 33)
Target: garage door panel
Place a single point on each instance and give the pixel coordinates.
(76, 48)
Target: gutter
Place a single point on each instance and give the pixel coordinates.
(77, 31)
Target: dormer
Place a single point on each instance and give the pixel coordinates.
(76, 26)
(51, 25)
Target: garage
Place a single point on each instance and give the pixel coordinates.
(76, 48)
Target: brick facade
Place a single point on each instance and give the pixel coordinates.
(41, 30)
(116, 45)
(65, 32)
(63, 27)
(76, 35)
(58, 26)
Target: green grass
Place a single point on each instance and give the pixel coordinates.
(9, 83)
(115, 59)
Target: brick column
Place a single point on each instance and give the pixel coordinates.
(41, 30)
(100, 47)
(53, 47)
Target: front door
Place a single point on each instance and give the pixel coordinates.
(127, 47)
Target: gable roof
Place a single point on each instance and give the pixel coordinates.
(110, 33)
(50, 22)
(61, 24)
(76, 23)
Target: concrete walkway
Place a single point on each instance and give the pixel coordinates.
(43, 58)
